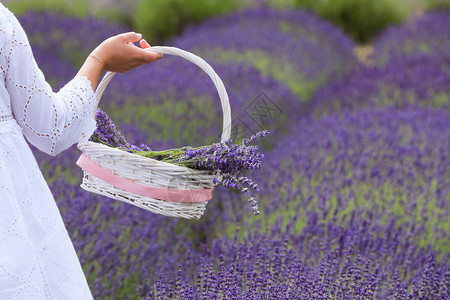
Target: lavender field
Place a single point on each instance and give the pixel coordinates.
(355, 182)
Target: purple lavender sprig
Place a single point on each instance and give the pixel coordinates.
(231, 159)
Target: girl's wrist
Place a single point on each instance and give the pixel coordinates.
(92, 68)
(95, 56)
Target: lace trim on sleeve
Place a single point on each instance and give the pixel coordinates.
(51, 121)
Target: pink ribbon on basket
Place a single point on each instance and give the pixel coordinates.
(174, 195)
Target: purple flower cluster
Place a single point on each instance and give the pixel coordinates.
(257, 269)
(409, 67)
(231, 159)
(364, 158)
(411, 81)
(367, 217)
(67, 38)
(294, 47)
(427, 34)
(369, 207)
(226, 156)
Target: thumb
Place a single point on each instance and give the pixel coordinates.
(131, 37)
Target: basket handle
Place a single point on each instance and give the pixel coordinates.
(226, 130)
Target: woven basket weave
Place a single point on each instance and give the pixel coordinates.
(184, 189)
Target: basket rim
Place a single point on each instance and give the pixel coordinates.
(83, 144)
(202, 64)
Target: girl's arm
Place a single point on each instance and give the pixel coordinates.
(55, 121)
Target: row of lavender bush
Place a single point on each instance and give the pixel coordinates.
(367, 216)
(294, 47)
(355, 190)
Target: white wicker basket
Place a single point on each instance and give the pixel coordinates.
(159, 187)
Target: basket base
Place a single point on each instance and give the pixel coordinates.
(161, 207)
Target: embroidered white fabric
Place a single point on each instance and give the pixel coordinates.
(37, 257)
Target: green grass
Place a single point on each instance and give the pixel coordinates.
(281, 70)
(162, 120)
(388, 199)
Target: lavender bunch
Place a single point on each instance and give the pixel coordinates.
(231, 159)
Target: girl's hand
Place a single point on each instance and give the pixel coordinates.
(119, 54)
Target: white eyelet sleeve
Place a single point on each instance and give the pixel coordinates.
(50, 121)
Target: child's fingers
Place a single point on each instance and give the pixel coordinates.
(144, 44)
(150, 56)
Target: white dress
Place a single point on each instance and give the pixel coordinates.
(37, 257)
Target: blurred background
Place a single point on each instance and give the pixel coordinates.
(162, 19)
(355, 184)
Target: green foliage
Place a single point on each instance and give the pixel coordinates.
(437, 5)
(160, 19)
(281, 4)
(361, 19)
